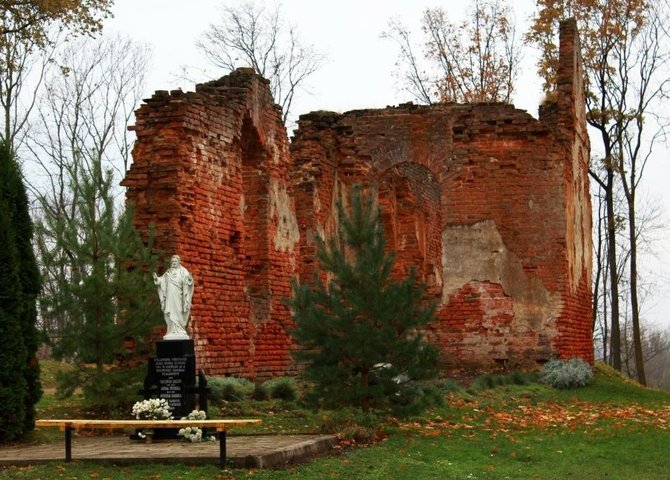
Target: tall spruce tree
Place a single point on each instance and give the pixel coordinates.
(359, 334)
(102, 290)
(18, 292)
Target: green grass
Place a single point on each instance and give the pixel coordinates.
(612, 429)
(48, 371)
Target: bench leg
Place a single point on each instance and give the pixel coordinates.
(222, 448)
(68, 444)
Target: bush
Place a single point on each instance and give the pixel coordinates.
(283, 388)
(571, 373)
(261, 392)
(492, 380)
(524, 378)
(230, 389)
(484, 382)
(450, 385)
(111, 392)
(412, 398)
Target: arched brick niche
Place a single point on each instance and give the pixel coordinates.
(410, 201)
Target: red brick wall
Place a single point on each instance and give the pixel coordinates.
(210, 174)
(479, 199)
(490, 205)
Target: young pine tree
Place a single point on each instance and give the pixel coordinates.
(359, 334)
(101, 291)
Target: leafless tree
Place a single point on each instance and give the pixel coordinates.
(656, 343)
(253, 35)
(87, 103)
(81, 128)
(641, 82)
(476, 60)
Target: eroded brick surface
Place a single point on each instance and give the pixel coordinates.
(490, 206)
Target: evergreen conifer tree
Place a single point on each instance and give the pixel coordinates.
(13, 385)
(359, 334)
(103, 290)
(19, 283)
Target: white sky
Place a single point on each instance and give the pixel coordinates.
(358, 73)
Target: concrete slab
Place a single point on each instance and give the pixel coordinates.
(251, 451)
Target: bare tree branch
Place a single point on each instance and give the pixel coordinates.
(476, 60)
(253, 36)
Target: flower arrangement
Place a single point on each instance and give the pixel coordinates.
(152, 409)
(194, 434)
(196, 415)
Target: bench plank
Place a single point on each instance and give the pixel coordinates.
(221, 426)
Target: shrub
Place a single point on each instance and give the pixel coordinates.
(230, 389)
(492, 380)
(412, 398)
(483, 382)
(111, 392)
(524, 378)
(451, 386)
(283, 388)
(571, 373)
(261, 392)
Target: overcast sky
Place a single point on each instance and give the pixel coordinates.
(358, 73)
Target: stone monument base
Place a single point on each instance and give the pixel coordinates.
(171, 377)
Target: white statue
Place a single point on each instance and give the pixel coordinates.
(175, 291)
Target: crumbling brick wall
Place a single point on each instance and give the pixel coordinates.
(210, 176)
(490, 205)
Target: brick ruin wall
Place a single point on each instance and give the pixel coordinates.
(489, 204)
(210, 175)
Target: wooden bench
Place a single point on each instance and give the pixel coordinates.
(221, 426)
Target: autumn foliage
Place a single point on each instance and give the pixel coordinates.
(474, 60)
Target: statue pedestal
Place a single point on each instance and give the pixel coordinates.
(171, 376)
(175, 348)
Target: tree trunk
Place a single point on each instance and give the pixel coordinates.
(615, 332)
(637, 337)
(366, 403)
(599, 267)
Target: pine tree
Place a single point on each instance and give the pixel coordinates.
(101, 286)
(359, 334)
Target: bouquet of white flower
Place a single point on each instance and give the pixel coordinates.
(152, 409)
(196, 415)
(194, 434)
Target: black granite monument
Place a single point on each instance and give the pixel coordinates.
(171, 376)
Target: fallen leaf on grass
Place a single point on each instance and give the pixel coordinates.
(544, 416)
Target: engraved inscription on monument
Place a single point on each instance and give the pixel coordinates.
(171, 372)
(174, 379)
